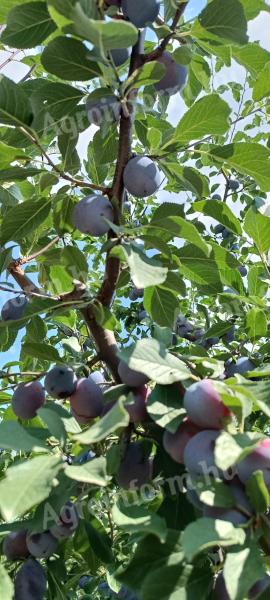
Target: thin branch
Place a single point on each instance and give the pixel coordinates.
(27, 259)
(163, 45)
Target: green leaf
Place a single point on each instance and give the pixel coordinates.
(139, 519)
(115, 419)
(6, 6)
(6, 585)
(209, 115)
(21, 220)
(256, 323)
(248, 158)
(150, 357)
(182, 178)
(99, 540)
(15, 437)
(207, 533)
(26, 484)
(69, 59)
(241, 570)
(15, 108)
(162, 305)
(148, 74)
(144, 271)
(181, 228)
(18, 173)
(222, 20)
(41, 351)
(252, 56)
(165, 407)
(28, 25)
(199, 268)
(58, 420)
(258, 492)
(67, 145)
(221, 212)
(229, 450)
(93, 471)
(257, 226)
(105, 35)
(171, 582)
(75, 262)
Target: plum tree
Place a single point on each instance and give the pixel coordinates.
(14, 545)
(103, 107)
(60, 382)
(142, 315)
(67, 522)
(87, 400)
(233, 184)
(30, 581)
(137, 409)
(242, 270)
(199, 452)
(175, 443)
(140, 12)
(216, 197)
(130, 377)
(241, 366)
(175, 76)
(120, 56)
(14, 309)
(219, 228)
(135, 293)
(97, 377)
(135, 469)
(89, 215)
(41, 545)
(204, 405)
(27, 399)
(141, 177)
(258, 459)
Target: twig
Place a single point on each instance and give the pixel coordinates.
(163, 45)
(27, 259)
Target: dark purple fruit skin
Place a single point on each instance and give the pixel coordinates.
(175, 76)
(242, 270)
(220, 591)
(204, 405)
(89, 215)
(87, 400)
(258, 459)
(233, 184)
(241, 367)
(60, 382)
(13, 309)
(259, 587)
(231, 515)
(175, 443)
(199, 452)
(137, 409)
(141, 177)
(14, 545)
(140, 12)
(106, 109)
(30, 581)
(130, 377)
(27, 399)
(41, 545)
(83, 581)
(120, 56)
(135, 470)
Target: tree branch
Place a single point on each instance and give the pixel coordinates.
(163, 45)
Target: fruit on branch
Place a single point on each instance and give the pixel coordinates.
(97, 377)
(85, 457)
(216, 197)
(120, 56)
(257, 460)
(135, 469)
(220, 590)
(140, 12)
(143, 314)
(83, 581)
(30, 581)
(137, 409)
(219, 229)
(87, 400)
(130, 377)
(27, 399)
(175, 76)
(225, 233)
(102, 107)
(204, 405)
(60, 382)
(41, 545)
(231, 515)
(14, 309)
(241, 366)
(175, 443)
(233, 184)
(14, 545)
(135, 293)
(89, 214)
(199, 452)
(229, 336)
(67, 522)
(141, 177)
(234, 247)
(242, 270)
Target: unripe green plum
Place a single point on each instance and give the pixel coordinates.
(60, 382)
(102, 107)
(130, 377)
(175, 443)
(120, 56)
(204, 405)
(30, 581)
(14, 309)
(257, 460)
(41, 545)
(175, 76)
(137, 409)
(14, 545)
(140, 12)
(135, 469)
(27, 399)
(242, 366)
(199, 452)
(89, 214)
(87, 400)
(141, 177)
